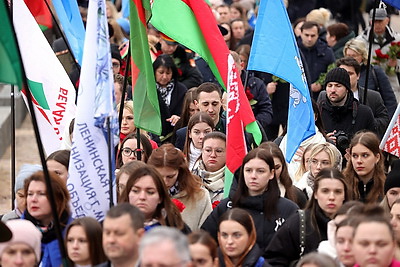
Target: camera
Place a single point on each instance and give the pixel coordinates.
(342, 141)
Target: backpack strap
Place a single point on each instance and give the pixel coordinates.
(302, 231)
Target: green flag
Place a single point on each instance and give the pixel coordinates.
(10, 67)
(146, 109)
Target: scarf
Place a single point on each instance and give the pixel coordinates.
(213, 181)
(193, 155)
(166, 91)
(49, 234)
(173, 190)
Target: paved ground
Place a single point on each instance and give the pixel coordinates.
(26, 152)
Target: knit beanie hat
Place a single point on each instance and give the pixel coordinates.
(338, 75)
(23, 231)
(26, 171)
(393, 178)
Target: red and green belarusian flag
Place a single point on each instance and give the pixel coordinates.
(52, 90)
(10, 67)
(146, 110)
(41, 13)
(192, 23)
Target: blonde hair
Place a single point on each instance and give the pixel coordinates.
(333, 153)
(128, 105)
(358, 46)
(320, 16)
(303, 164)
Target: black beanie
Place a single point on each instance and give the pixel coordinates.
(393, 178)
(338, 75)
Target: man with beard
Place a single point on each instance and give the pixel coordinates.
(341, 113)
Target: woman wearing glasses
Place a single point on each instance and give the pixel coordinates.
(257, 193)
(182, 185)
(322, 156)
(210, 167)
(129, 150)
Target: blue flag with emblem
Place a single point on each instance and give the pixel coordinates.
(394, 3)
(274, 50)
(90, 173)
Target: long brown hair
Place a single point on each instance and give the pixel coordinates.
(94, 237)
(285, 179)
(190, 97)
(166, 212)
(370, 141)
(243, 218)
(312, 205)
(199, 117)
(271, 202)
(169, 156)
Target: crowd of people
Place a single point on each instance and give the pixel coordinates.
(335, 203)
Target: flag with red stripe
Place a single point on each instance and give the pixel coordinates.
(146, 110)
(192, 23)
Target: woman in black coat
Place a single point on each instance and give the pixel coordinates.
(170, 93)
(330, 192)
(257, 193)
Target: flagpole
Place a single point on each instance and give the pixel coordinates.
(138, 151)
(12, 146)
(370, 40)
(49, 189)
(110, 150)
(78, 67)
(39, 143)
(122, 103)
(12, 95)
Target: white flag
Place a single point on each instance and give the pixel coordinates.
(89, 175)
(53, 92)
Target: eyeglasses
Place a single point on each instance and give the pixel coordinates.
(116, 65)
(218, 151)
(323, 163)
(126, 151)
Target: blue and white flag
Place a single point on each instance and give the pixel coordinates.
(394, 3)
(274, 50)
(72, 25)
(89, 172)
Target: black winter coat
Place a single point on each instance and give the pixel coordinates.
(378, 81)
(375, 102)
(285, 246)
(250, 260)
(263, 108)
(255, 206)
(318, 58)
(175, 107)
(340, 118)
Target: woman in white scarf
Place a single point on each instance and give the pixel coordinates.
(210, 167)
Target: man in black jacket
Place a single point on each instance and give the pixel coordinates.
(340, 111)
(374, 99)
